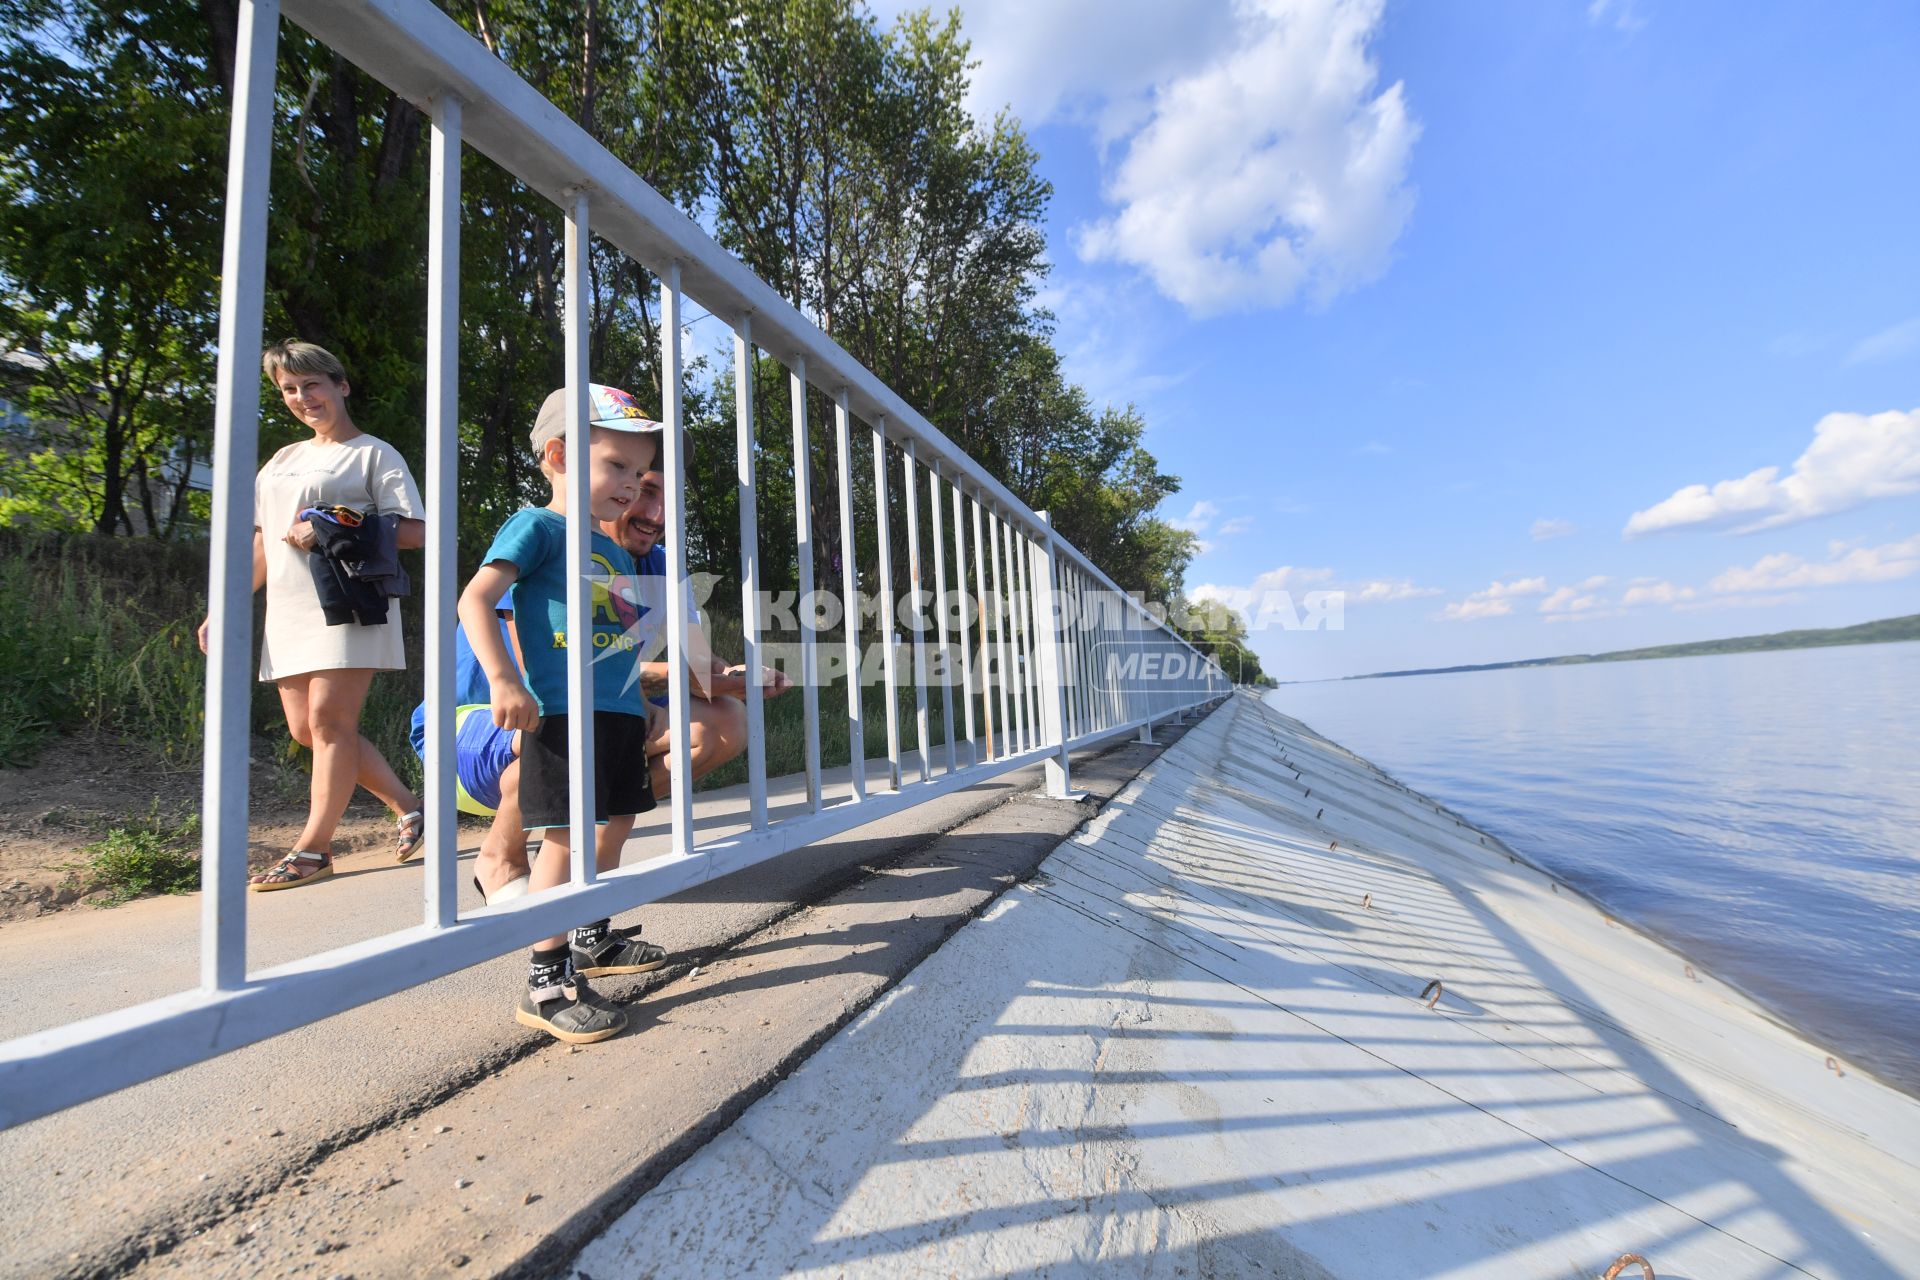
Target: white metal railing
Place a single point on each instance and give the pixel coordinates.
(1055, 654)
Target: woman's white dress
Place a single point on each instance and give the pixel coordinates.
(366, 473)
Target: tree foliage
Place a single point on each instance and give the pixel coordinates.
(109, 248)
(836, 158)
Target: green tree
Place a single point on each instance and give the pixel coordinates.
(108, 254)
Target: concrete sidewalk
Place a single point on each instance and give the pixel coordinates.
(104, 1184)
(1200, 1043)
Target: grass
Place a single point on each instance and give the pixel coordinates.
(158, 854)
(98, 633)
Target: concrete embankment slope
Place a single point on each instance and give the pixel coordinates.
(1199, 1043)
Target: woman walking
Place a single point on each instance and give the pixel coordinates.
(328, 631)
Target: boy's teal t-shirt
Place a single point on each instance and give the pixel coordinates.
(534, 542)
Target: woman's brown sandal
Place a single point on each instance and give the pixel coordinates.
(288, 872)
(413, 834)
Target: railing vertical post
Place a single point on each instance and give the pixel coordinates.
(1110, 618)
(443, 498)
(747, 491)
(944, 658)
(910, 494)
(679, 708)
(236, 455)
(850, 599)
(1009, 738)
(1023, 630)
(964, 640)
(888, 641)
(981, 608)
(803, 567)
(1142, 695)
(1077, 654)
(580, 788)
(1052, 621)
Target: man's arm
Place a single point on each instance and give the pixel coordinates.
(711, 676)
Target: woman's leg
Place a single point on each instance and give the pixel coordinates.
(333, 700)
(293, 702)
(377, 776)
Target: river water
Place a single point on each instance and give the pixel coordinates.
(1759, 812)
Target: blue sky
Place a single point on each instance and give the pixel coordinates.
(1429, 302)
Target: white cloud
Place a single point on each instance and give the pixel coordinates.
(1237, 525)
(1275, 165)
(1469, 609)
(1543, 530)
(1385, 590)
(1844, 565)
(1889, 344)
(1492, 602)
(1090, 61)
(1198, 518)
(1254, 600)
(1854, 459)
(1568, 600)
(1655, 593)
(1106, 336)
(1623, 14)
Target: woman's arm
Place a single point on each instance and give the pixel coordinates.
(259, 581)
(410, 535)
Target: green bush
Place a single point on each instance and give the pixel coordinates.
(99, 633)
(156, 855)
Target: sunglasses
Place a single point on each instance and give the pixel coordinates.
(334, 512)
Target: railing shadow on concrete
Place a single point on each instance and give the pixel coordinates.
(1071, 658)
(1179, 1086)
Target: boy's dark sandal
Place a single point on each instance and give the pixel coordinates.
(570, 1014)
(297, 868)
(622, 951)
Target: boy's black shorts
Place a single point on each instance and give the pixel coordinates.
(623, 783)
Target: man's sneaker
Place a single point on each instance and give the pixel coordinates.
(570, 1013)
(622, 951)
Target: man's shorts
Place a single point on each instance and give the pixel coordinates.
(622, 783)
(482, 750)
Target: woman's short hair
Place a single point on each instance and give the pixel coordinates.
(297, 357)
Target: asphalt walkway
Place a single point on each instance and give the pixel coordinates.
(99, 1186)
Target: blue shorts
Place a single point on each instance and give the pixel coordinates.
(482, 751)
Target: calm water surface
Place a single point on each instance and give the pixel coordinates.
(1760, 812)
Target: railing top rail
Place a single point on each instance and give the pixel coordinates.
(422, 54)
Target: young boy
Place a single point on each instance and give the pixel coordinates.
(528, 556)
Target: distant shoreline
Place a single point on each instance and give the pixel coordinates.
(1885, 631)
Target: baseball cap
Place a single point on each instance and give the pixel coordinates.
(608, 407)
